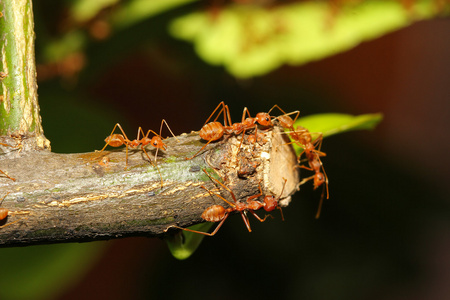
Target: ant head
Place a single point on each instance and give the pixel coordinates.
(270, 203)
(157, 142)
(264, 119)
(319, 179)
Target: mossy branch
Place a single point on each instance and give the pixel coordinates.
(90, 196)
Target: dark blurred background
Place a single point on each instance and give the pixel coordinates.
(383, 234)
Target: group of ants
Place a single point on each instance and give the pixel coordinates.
(214, 131)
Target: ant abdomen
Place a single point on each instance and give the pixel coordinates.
(214, 213)
(212, 131)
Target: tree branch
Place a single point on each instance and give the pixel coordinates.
(21, 122)
(89, 196)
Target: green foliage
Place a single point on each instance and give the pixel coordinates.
(184, 243)
(135, 11)
(252, 40)
(43, 272)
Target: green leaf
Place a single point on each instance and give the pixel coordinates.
(332, 123)
(84, 10)
(250, 40)
(134, 11)
(184, 243)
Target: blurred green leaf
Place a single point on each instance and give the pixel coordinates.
(131, 12)
(250, 40)
(43, 272)
(184, 243)
(84, 10)
(331, 123)
(71, 42)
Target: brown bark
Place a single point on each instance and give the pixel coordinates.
(85, 197)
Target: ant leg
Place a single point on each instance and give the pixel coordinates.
(110, 136)
(284, 113)
(160, 130)
(297, 112)
(140, 130)
(326, 180)
(200, 232)
(306, 168)
(227, 112)
(319, 208)
(1, 201)
(126, 141)
(6, 145)
(258, 217)
(212, 193)
(204, 146)
(281, 212)
(243, 114)
(246, 221)
(240, 144)
(221, 111)
(160, 143)
(282, 190)
(293, 141)
(279, 108)
(256, 196)
(10, 223)
(7, 176)
(154, 164)
(256, 127)
(305, 180)
(224, 186)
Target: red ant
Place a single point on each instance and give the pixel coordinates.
(314, 162)
(218, 213)
(284, 120)
(117, 140)
(213, 131)
(302, 137)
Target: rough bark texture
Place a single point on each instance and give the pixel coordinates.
(91, 196)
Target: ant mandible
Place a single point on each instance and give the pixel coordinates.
(216, 213)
